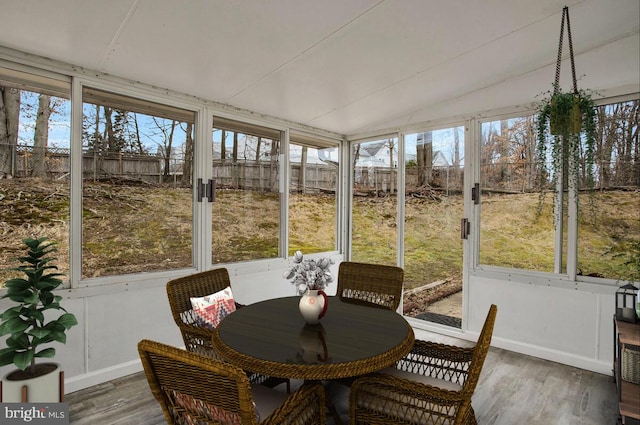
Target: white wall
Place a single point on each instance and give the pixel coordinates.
(570, 325)
(112, 318)
(565, 322)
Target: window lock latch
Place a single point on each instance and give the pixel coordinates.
(475, 193)
(465, 228)
(207, 190)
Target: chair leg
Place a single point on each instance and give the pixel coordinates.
(332, 410)
(470, 417)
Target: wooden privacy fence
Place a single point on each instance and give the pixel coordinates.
(244, 175)
(263, 176)
(94, 166)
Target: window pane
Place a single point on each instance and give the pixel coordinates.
(34, 167)
(511, 232)
(137, 197)
(434, 166)
(608, 233)
(312, 198)
(246, 212)
(374, 213)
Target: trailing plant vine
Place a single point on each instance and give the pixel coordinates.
(566, 125)
(566, 136)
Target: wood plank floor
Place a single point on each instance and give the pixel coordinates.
(513, 389)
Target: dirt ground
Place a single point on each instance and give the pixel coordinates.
(445, 299)
(449, 306)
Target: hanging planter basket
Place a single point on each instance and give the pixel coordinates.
(565, 115)
(566, 127)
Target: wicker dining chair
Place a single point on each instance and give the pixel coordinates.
(195, 389)
(180, 291)
(431, 385)
(197, 338)
(370, 284)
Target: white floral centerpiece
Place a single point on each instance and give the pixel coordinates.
(309, 274)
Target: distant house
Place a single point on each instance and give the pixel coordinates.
(377, 154)
(439, 160)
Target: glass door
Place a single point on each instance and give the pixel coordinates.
(434, 206)
(374, 201)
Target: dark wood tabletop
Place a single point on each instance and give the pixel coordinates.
(272, 338)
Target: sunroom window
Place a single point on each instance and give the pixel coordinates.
(313, 187)
(520, 226)
(374, 211)
(246, 212)
(35, 131)
(136, 195)
(514, 232)
(609, 221)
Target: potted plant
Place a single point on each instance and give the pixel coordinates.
(29, 325)
(566, 132)
(566, 136)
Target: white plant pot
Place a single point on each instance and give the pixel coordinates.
(42, 389)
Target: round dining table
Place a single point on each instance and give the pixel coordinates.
(271, 337)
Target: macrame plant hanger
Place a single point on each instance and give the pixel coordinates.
(562, 123)
(556, 85)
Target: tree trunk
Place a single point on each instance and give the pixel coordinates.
(302, 176)
(168, 148)
(234, 154)
(140, 146)
(9, 119)
(188, 155)
(424, 153)
(223, 147)
(274, 165)
(41, 137)
(108, 129)
(258, 146)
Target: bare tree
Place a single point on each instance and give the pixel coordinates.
(302, 175)
(275, 148)
(166, 145)
(424, 157)
(258, 146)
(9, 120)
(234, 154)
(188, 155)
(223, 147)
(41, 137)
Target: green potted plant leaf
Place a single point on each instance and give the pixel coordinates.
(29, 325)
(566, 131)
(566, 134)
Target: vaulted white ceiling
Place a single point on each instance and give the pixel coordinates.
(347, 66)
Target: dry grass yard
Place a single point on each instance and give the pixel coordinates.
(144, 228)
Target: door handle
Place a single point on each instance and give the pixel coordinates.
(207, 190)
(211, 192)
(465, 228)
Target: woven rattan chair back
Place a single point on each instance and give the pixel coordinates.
(196, 338)
(434, 387)
(370, 284)
(184, 383)
(480, 352)
(180, 291)
(194, 389)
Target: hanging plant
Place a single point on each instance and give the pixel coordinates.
(567, 136)
(566, 130)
